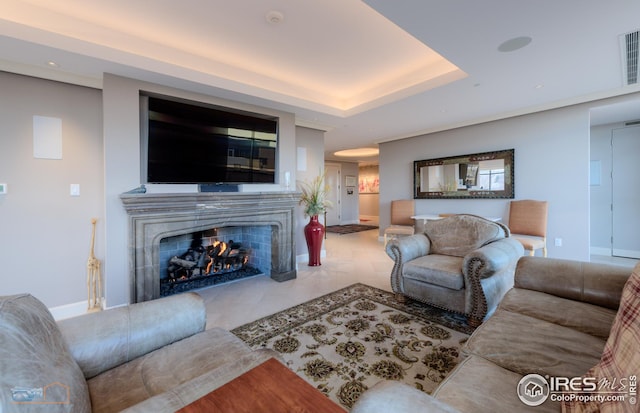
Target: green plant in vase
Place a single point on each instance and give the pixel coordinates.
(314, 196)
(314, 200)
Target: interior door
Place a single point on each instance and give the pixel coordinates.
(625, 195)
(332, 178)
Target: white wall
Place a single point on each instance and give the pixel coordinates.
(600, 201)
(348, 207)
(122, 166)
(552, 154)
(44, 232)
(601, 194)
(48, 231)
(310, 143)
(551, 163)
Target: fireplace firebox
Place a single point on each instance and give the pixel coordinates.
(212, 257)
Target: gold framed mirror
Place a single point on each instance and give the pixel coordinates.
(479, 175)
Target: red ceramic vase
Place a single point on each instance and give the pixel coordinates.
(313, 233)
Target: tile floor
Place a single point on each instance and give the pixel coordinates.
(603, 259)
(351, 258)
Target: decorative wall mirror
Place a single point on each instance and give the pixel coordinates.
(480, 175)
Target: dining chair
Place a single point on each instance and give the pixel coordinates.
(401, 222)
(528, 224)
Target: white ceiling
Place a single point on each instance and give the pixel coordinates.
(366, 72)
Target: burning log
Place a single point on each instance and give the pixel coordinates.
(185, 265)
(182, 263)
(217, 258)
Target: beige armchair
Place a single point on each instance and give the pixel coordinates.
(463, 263)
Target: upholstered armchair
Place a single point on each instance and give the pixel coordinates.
(463, 263)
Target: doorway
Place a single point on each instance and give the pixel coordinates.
(625, 198)
(332, 174)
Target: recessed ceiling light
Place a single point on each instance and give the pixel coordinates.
(358, 152)
(539, 86)
(514, 44)
(274, 17)
(51, 63)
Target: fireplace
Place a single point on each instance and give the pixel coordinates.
(156, 217)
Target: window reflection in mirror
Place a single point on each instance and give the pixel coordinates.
(484, 175)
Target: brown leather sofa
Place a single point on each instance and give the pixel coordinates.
(154, 356)
(554, 322)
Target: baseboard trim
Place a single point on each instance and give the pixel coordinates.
(69, 310)
(304, 258)
(626, 253)
(606, 252)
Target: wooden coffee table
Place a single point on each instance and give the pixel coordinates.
(271, 387)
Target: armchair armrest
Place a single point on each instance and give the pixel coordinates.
(492, 264)
(103, 340)
(408, 248)
(402, 250)
(492, 258)
(598, 284)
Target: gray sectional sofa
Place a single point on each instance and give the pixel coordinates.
(154, 356)
(554, 322)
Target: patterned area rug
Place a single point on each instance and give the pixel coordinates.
(349, 229)
(346, 341)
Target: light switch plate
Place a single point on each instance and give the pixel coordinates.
(74, 189)
(3, 189)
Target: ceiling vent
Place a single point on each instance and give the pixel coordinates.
(630, 48)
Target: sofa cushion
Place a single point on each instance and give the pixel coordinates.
(620, 359)
(525, 345)
(587, 318)
(460, 234)
(477, 385)
(37, 372)
(178, 397)
(392, 396)
(164, 369)
(442, 270)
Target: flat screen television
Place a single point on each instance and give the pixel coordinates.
(186, 142)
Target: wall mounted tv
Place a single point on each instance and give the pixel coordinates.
(186, 142)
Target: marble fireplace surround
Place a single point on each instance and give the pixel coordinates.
(153, 217)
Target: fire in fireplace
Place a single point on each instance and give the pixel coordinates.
(202, 266)
(218, 258)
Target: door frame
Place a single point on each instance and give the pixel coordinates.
(622, 218)
(334, 214)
